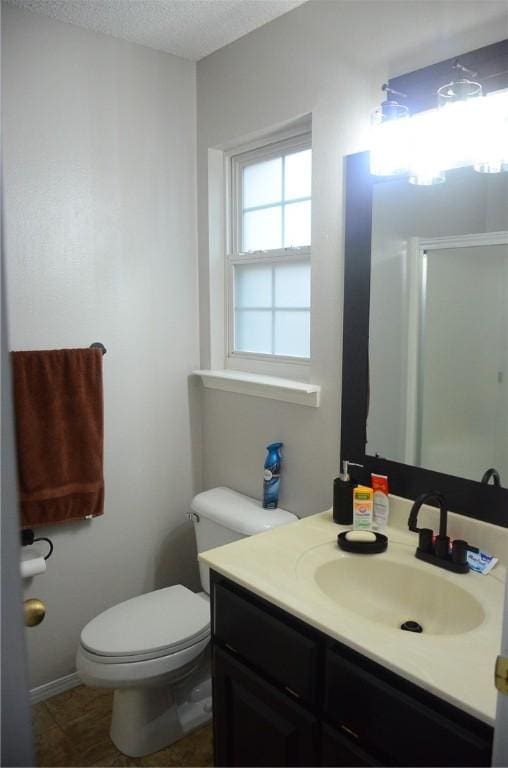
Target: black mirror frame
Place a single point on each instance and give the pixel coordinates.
(470, 498)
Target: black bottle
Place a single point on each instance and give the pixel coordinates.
(343, 495)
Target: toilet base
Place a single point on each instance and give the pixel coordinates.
(195, 708)
(146, 720)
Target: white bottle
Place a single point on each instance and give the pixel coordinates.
(381, 510)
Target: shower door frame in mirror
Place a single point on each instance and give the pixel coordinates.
(419, 251)
(467, 497)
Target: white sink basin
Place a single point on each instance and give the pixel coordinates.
(390, 592)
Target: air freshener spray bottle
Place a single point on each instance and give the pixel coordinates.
(271, 476)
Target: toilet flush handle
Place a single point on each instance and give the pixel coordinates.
(192, 516)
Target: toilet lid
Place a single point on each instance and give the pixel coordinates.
(155, 624)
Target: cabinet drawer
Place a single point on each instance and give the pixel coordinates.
(400, 728)
(287, 656)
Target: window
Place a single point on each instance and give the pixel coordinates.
(269, 261)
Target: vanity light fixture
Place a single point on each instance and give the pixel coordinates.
(465, 129)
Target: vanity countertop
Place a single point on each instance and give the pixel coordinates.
(276, 565)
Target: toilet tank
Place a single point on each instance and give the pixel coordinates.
(223, 515)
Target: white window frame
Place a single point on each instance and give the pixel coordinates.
(278, 365)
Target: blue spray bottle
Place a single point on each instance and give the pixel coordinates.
(271, 476)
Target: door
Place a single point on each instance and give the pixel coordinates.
(16, 747)
(254, 723)
(500, 749)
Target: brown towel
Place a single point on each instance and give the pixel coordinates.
(59, 433)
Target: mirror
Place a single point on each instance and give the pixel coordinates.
(425, 352)
(438, 330)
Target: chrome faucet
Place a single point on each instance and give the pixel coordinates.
(436, 550)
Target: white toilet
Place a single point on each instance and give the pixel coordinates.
(152, 649)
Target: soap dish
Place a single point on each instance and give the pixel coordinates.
(363, 547)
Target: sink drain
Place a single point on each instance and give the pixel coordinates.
(411, 626)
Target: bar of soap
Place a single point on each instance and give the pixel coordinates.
(360, 536)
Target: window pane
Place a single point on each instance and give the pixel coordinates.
(262, 183)
(253, 284)
(253, 331)
(297, 224)
(262, 229)
(292, 333)
(292, 285)
(297, 175)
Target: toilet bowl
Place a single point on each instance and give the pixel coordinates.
(153, 650)
(146, 648)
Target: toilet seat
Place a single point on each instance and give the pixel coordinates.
(151, 626)
(131, 672)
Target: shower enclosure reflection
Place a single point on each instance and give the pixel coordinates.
(438, 346)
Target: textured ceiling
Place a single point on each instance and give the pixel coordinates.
(189, 28)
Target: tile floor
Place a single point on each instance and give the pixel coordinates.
(72, 729)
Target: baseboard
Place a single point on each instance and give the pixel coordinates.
(53, 688)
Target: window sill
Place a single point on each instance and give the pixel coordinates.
(254, 384)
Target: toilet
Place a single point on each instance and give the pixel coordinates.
(153, 650)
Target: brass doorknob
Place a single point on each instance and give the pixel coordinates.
(35, 610)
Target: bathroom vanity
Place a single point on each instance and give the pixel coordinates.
(301, 676)
(285, 694)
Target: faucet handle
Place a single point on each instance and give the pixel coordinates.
(460, 548)
(425, 539)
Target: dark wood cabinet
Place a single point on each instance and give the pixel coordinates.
(342, 749)
(405, 726)
(282, 652)
(284, 694)
(255, 724)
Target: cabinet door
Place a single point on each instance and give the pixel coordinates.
(254, 723)
(337, 750)
(402, 729)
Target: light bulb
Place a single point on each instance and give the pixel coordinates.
(491, 155)
(427, 161)
(389, 147)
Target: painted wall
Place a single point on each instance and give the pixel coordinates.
(99, 139)
(327, 59)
